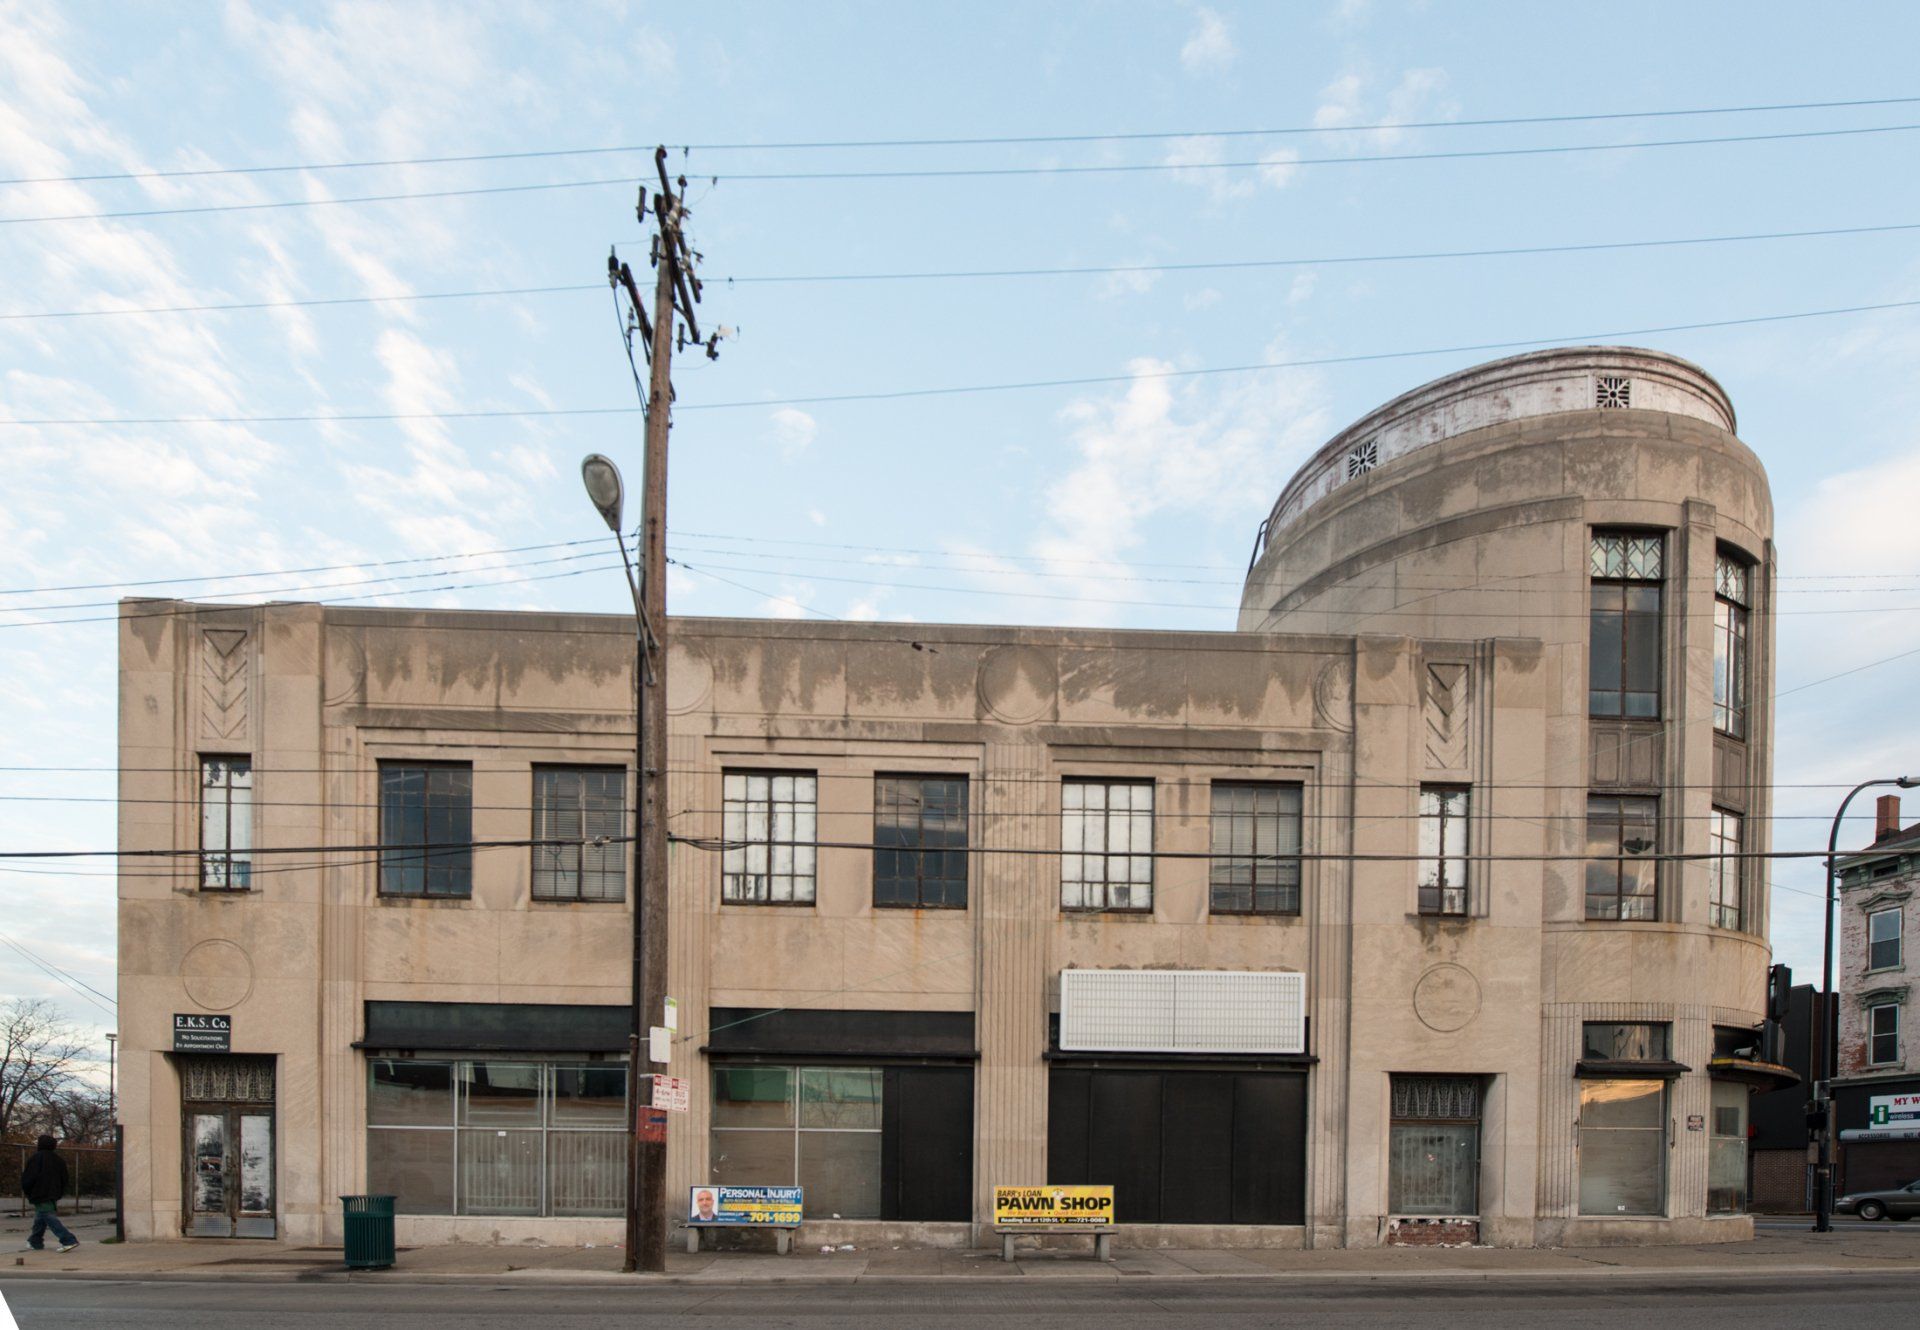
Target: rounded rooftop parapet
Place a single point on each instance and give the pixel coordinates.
(1538, 383)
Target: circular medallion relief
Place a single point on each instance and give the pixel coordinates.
(217, 974)
(1446, 998)
(1017, 684)
(689, 681)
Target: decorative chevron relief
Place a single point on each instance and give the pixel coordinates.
(1446, 714)
(224, 659)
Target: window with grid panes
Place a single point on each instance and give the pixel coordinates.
(1255, 868)
(1723, 840)
(1622, 874)
(920, 841)
(1623, 646)
(426, 829)
(1732, 583)
(226, 823)
(768, 822)
(1106, 845)
(1443, 849)
(583, 804)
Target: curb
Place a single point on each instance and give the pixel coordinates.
(599, 1278)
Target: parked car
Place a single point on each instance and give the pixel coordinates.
(1896, 1203)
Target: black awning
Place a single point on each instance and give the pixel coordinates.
(818, 1032)
(1629, 1069)
(497, 1027)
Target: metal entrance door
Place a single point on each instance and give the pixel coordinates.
(229, 1180)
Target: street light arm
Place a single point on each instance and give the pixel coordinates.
(1829, 1042)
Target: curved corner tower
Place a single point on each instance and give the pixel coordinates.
(1593, 501)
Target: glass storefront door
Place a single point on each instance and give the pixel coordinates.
(229, 1171)
(226, 1115)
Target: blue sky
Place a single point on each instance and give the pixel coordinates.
(1049, 505)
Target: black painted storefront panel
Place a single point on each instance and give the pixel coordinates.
(927, 1144)
(810, 1032)
(1183, 1147)
(497, 1027)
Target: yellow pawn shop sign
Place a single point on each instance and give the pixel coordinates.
(1052, 1207)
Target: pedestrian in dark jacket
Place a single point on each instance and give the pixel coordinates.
(44, 1181)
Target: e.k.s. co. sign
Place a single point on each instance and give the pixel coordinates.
(195, 1033)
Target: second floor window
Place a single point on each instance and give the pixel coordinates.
(1630, 1041)
(426, 829)
(1723, 873)
(1732, 583)
(1883, 939)
(226, 823)
(1622, 832)
(587, 805)
(768, 824)
(1883, 1034)
(1623, 646)
(920, 841)
(1255, 867)
(1106, 845)
(1443, 849)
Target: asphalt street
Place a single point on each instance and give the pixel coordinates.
(1565, 1303)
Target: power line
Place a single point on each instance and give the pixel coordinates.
(933, 173)
(534, 154)
(296, 572)
(111, 1007)
(1221, 265)
(1285, 163)
(902, 394)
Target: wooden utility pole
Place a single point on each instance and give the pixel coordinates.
(676, 290)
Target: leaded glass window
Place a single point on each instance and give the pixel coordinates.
(1732, 581)
(1434, 1146)
(1623, 647)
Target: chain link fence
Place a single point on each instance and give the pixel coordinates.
(91, 1170)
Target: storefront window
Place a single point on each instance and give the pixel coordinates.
(819, 1127)
(1727, 1160)
(497, 1137)
(1434, 1146)
(1623, 1147)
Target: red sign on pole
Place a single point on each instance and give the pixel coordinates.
(653, 1126)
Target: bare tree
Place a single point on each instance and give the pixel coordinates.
(38, 1056)
(74, 1116)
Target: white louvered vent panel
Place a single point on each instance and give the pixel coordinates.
(1182, 1011)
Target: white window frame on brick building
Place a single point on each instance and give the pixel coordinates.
(1883, 1035)
(1885, 947)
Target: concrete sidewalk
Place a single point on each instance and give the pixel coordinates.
(1773, 1253)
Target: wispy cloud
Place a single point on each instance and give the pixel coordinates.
(1209, 49)
(792, 431)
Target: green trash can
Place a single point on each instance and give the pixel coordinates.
(369, 1231)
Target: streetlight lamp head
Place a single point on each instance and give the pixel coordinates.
(1907, 782)
(602, 479)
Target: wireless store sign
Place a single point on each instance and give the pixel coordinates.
(197, 1033)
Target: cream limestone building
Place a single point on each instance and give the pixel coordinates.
(1409, 911)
